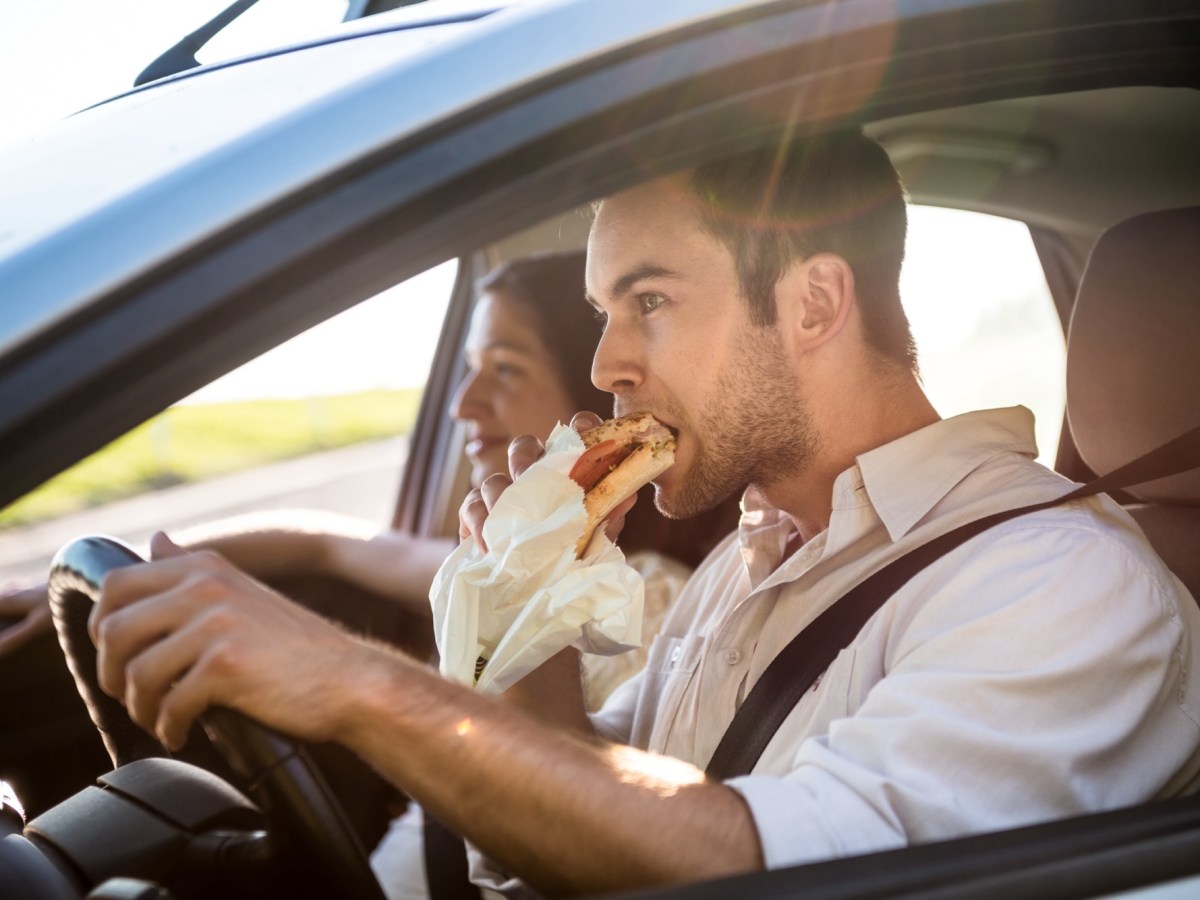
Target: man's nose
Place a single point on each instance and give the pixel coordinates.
(616, 367)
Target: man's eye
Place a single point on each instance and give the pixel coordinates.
(650, 302)
(601, 317)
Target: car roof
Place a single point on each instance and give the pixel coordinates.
(169, 173)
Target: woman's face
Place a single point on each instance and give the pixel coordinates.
(512, 386)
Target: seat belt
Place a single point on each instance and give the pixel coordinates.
(811, 652)
(446, 863)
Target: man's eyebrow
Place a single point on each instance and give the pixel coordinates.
(629, 279)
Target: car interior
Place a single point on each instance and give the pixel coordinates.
(1107, 184)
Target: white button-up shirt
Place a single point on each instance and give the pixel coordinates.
(1045, 668)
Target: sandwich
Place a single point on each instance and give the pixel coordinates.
(620, 457)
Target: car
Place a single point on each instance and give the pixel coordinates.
(158, 240)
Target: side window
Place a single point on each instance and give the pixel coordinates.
(318, 423)
(986, 328)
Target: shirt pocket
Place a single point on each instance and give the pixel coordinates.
(670, 666)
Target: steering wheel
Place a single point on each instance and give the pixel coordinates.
(306, 820)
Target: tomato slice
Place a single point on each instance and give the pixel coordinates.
(596, 462)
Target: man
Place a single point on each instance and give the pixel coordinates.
(1046, 668)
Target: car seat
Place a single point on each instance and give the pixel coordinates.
(1133, 369)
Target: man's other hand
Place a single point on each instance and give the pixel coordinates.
(522, 453)
(189, 630)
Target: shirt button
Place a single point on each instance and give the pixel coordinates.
(731, 656)
(676, 653)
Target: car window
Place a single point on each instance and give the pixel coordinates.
(318, 423)
(272, 23)
(986, 328)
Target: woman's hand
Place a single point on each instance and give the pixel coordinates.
(29, 606)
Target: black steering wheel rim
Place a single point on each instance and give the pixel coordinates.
(307, 823)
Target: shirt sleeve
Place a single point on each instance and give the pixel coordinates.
(1039, 675)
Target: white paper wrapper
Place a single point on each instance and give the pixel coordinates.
(528, 597)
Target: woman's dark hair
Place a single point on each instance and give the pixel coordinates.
(550, 288)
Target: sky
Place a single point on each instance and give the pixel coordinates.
(58, 56)
(964, 274)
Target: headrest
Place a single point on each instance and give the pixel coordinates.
(1133, 349)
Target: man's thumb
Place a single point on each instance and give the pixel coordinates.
(162, 547)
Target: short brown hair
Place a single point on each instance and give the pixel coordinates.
(836, 193)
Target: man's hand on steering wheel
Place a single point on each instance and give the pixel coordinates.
(189, 631)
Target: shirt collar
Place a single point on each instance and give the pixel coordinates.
(903, 480)
(763, 533)
(906, 478)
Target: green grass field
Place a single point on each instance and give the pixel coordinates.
(193, 442)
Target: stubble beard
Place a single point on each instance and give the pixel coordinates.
(755, 430)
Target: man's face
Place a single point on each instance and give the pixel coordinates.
(678, 342)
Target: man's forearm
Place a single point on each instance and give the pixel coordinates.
(553, 694)
(564, 813)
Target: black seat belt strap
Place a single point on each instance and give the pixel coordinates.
(446, 863)
(812, 651)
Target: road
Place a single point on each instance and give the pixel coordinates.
(360, 480)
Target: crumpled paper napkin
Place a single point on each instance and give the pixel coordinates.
(528, 597)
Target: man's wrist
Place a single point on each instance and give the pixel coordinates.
(386, 693)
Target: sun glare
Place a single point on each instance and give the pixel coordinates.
(662, 774)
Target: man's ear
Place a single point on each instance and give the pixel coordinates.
(816, 296)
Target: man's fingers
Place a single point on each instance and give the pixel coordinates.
(523, 452)
(190, 697)
(130, 584)
(149, 677)
(474, 510)
(162, 547)
(471, 516)
(615, 521)
(582, 421)
(123, 632)
(170, 683)
(491, 489)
